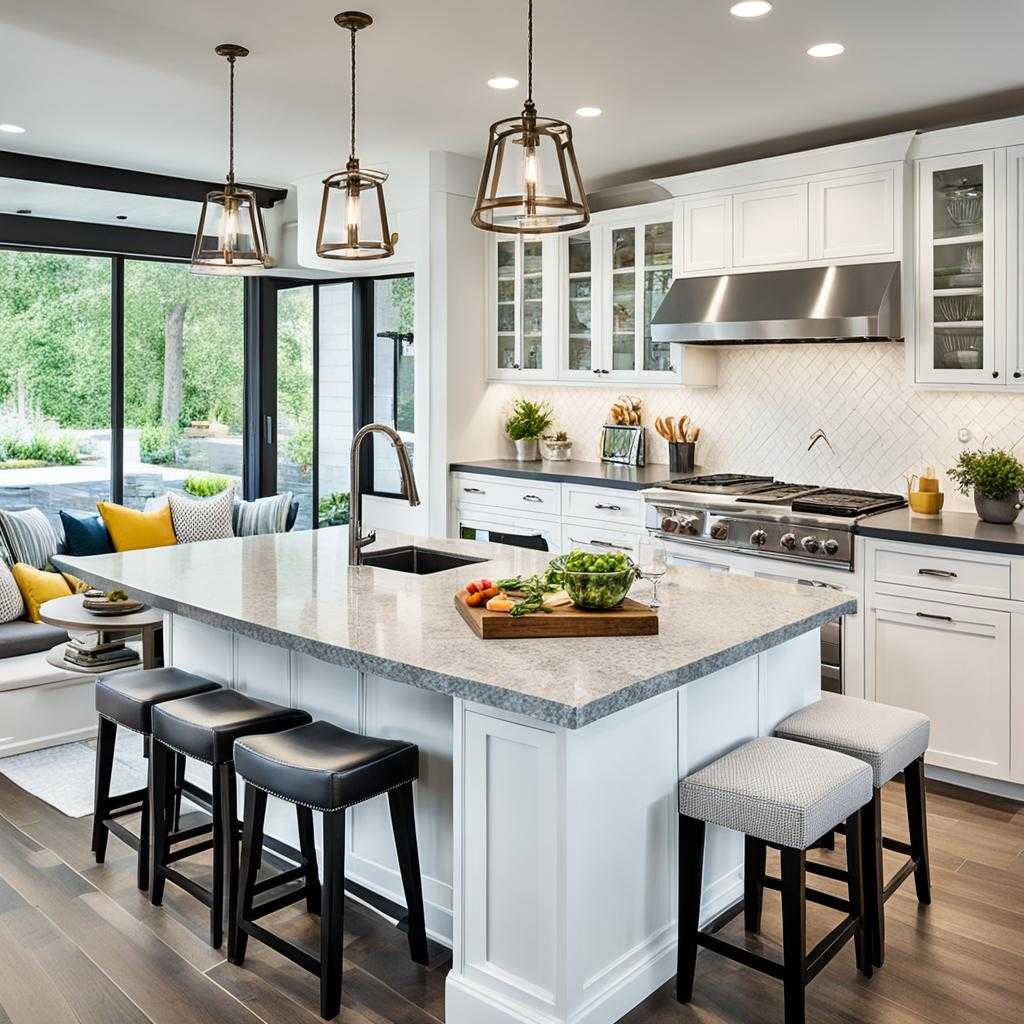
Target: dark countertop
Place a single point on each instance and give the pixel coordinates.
(951, 530)
(596, 474)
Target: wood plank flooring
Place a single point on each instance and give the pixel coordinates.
(80, 945)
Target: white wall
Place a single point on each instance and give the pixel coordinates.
(770, 399)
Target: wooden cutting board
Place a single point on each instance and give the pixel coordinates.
(630, 619)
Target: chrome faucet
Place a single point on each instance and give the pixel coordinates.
(356, 540)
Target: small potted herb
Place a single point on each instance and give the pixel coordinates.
(528, 422)
(997, 478)
(556, 447)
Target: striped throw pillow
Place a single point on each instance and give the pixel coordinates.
(264, 515)
(12, 605)
(29, 537)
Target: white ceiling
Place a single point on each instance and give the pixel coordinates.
(134, 83)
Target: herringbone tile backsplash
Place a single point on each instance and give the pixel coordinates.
(771, 398)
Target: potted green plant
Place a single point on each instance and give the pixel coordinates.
(997, 478)
(528, 422)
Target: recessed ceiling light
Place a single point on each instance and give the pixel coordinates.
(502, 82)
(750, 9)
(589, 111)
(826, 50)
(13, 129)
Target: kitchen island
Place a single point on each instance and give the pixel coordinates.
(546, 806)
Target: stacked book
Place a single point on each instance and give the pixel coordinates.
(88, 652)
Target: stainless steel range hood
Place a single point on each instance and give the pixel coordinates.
(839, 303)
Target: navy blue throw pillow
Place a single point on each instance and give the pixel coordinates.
(85, 533)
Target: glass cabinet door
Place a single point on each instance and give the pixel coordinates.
(657, 276)
(533, 306)
(956, 290)
(580, 355)
(519, 270)
(623, 253)
(505, 310)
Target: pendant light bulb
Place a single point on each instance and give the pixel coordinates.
(339, 233)
(230, 238)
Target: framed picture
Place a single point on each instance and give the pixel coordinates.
(624, 445)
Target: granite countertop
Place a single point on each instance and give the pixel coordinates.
(296, 591)
(951, 530)
(596, 474)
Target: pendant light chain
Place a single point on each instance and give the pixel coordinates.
(529, 56)
(352, 151)
(231, 121)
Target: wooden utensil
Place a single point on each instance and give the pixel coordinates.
(670, 426)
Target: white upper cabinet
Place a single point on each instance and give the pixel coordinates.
(769, 225)
(1015, 267)
(961, 214)
(853, 216)
(707, 234)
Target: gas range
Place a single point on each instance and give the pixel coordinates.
(759, 515)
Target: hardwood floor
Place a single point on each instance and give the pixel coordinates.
(79, 943)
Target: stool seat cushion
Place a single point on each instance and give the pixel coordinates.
(206, 726)
(128, 698)
(325, 767)
(776, 790)
(886, 737)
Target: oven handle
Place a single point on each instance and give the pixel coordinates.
(819, 584)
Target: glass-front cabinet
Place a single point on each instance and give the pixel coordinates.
(580, 330)
(959, 283)
(523, 326)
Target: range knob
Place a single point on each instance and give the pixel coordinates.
(810, 544)
(720, 531)
(788, 541)
(759, 538)
(689, 525)
(831, 547)
(669, 525)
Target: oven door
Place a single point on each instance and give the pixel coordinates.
(515, 532)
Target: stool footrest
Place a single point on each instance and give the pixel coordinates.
(114, 803)
(286, 899)
(824, 899)
(908, 868)
(282, 946)
(827, 871)
(897, 846)
(190, 885)
(741, 955)
(283, 878)
(126, 836)
(126, 811)
(828, 946)
(184, 834)
(190, 851)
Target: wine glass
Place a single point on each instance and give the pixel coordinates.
(652, 561)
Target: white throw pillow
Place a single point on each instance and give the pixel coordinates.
(198, 519)
(12, 606)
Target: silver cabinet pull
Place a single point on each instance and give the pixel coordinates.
(929, 615)
(533, 497)
(946, 574)
(602, 544)
(474, 490)
(609, 508)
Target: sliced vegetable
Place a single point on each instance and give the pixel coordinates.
(558, 599)
(501, 603)
(481, 597)
(472, 587)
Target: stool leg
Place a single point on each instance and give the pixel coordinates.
(691, 870)
(219, 843)
(159, 820)
(403, 824)
(794, 932)
(179, 779)
(913, 782)
(754, 856)
(252, 852)
(874, 878)
(142, 867)
(106, 734)
(855, 888)
(332, 916)
(307, 847)
(229, 815)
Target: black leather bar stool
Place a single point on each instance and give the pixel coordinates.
(786, 795)
(324, 768)
(205, 727)
(127, 699)
(889, 740)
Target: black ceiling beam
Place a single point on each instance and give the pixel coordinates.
(27, 167)
(95, 239)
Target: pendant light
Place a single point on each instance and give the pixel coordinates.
(350, 229)
(538, 190)
(231, 238)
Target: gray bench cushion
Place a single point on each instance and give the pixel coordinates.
(783, 792)
(886, 737)
(24, 637)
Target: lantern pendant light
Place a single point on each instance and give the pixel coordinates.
(231, 238)
(361, 231)
(539, 191)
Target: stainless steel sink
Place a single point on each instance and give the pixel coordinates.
(419, 561)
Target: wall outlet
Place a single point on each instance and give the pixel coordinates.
(963, 435)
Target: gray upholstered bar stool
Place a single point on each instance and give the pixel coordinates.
(890, 740)
(785, 795)
(205, 727)
(126, 700)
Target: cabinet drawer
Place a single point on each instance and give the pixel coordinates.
(503, 492)
(951, 573)
(602, 504)
(598, 540)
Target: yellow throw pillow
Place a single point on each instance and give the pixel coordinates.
(37, 587)
(131, 529)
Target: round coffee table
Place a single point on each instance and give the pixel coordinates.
(69, 613)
